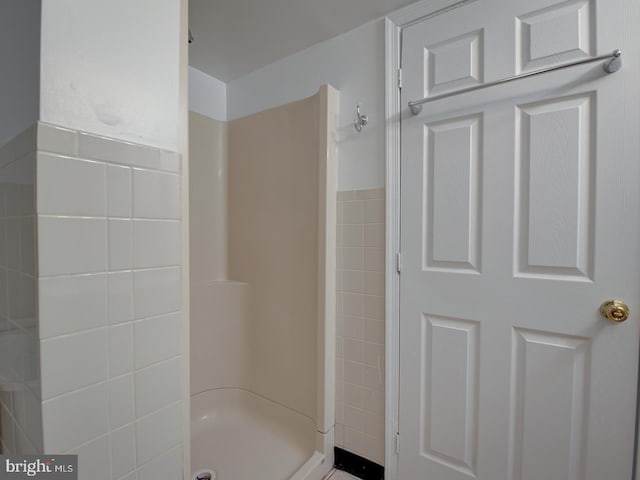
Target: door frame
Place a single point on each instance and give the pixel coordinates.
(395, 22)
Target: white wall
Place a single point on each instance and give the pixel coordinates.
(207, 95)
(112, 68)
(354, 64)
(20, 66)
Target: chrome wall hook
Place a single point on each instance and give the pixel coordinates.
(360, 120)
(614, 63)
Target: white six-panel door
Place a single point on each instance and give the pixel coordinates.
(520, 215)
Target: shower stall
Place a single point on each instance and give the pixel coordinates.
(262, 245)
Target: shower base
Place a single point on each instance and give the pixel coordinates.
(241, 435)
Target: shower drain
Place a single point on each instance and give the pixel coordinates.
(205, 475)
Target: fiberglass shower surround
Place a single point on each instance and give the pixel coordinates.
(263, 206)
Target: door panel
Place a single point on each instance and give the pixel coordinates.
(549, 404)
(453, 194)
(519, 216)
(554, 33)
(555, 141)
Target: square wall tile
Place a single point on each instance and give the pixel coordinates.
(72, 304)
(123, 459)
(13, 294)
(148, 250)
(374, 259)
(18, 146)
(158, 432)
(23, 444)
(374, 401)
(74, 419)
(353, 304)
(374, 307)
(156, 195)
(374, 210)
(120, 244)
(19, 179)
(71, 245)
(121, 406)
(120, 349)
(157, 339)
(374, 283)
(353, 372)
(119, 187)
(374, 236)
(28, 415)
(167, 466)
(374, 449)
(55, 139)
(353, 258)
(120, 297)
(374, 425)
(12, 248)
(354, 440)
(68, 186)
(353, 349)
(353, 235)
(4, 299)
(73, 361)
(157, 386)
(374, 330)
(353, 328)
(95, 457)
(374, 377)
(353, 212)
(27, 292)
(28, 245)
(6, 428)
(3, 241)
(156, 292)
(354, 418)
(353, 396)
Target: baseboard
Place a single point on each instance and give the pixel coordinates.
(357, 465)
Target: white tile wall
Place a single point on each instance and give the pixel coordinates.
(109, 278)
(360, 323)
(20, 415)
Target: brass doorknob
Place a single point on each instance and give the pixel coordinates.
(615, 310)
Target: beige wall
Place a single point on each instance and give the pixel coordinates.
(273, 245)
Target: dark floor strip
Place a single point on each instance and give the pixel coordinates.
(357, 465)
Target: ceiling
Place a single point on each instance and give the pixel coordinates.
(235, 37)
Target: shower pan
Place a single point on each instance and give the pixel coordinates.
(262, 245)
